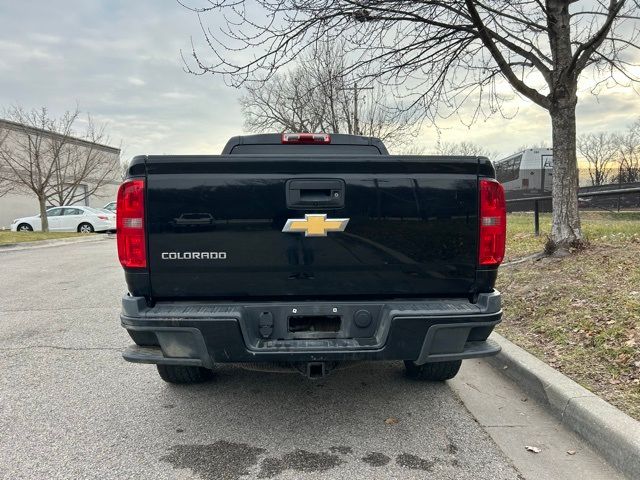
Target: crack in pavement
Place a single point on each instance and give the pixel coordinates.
(59, 309)
(504, 426)
(57, 347)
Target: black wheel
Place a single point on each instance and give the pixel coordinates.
(25, 227)
(436, 371)
(182, 374)
(85, 228)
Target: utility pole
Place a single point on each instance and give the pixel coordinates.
(356, 128)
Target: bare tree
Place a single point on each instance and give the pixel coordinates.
(40, 155)
(628, 144)
(466, 149)
(532, 146)
(315, 95)
(280, 104)
(599, 150)
(6, 186)
(410, 149)
(444, 57)
(83, 167)
(29, 157)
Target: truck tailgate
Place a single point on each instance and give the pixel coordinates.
(215, 226)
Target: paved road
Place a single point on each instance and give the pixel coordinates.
(70, 407)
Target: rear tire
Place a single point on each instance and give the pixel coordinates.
(24, 227)
(435, 372)
(85, 228)
(183, 374)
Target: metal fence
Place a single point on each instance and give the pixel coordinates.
(625, 191)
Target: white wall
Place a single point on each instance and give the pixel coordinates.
(15, 138)
(106, 194)
(13, 205)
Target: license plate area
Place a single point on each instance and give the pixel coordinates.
(314, 326)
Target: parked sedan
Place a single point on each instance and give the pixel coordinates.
(68, 219)
(111, 215)
(111, 206)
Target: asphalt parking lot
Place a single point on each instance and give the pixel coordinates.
(72, 408)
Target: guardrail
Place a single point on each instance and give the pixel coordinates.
(598, 193)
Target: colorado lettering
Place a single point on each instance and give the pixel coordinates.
(194, 255)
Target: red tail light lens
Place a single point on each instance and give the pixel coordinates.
(493, 223)
(103, 217)
(306, 138)
(132, 245)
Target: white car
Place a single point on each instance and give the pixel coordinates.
(68, 219)
(111, 206)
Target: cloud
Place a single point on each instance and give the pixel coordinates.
(100, 54)
(178, 95)
(17, 55)
(528, 124)
(47, 39)
(136, 81)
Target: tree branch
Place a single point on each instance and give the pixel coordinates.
(506, 70)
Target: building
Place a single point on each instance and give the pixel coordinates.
(22, 203)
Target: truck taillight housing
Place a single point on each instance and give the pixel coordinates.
(132, 245)
(306, 138)
(493, 223)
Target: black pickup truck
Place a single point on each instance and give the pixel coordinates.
(309, 251)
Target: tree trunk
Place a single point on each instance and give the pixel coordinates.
(565, 230)
(44, 221)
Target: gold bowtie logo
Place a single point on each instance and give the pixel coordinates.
(315, 225)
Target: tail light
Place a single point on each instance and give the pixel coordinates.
(493, 223)
(132, 248)
(103, 217)
(306, 138)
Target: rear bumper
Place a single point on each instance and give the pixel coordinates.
(104, 226)
(203, 333)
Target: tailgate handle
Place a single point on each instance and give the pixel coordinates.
(315, 193)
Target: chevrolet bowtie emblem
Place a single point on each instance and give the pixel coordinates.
(315, 225)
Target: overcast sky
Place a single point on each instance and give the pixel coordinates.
(120, 61)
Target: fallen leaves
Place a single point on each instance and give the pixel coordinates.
(529, 448)
(582, 317)
(391, 421)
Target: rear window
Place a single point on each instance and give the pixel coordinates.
(72, 211)
(306, 148)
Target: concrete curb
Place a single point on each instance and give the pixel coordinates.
(12, 247)
(615, 435)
